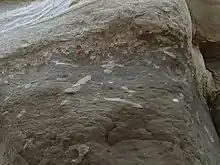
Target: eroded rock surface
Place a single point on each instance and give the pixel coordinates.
(206, 17)
(105, 83)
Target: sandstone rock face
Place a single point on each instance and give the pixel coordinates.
(205, 82)
(206, 16)
(104, 83)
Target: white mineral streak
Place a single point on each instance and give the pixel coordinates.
(124, 101)
(76, 87)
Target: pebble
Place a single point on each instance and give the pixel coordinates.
(175, 100)
(76, 87)
(6, 81)
(92, 57)
(127, 90)
(73, 89)
(155, 66)
(21, 113)
(5, 113)
(27, 86)
(84, 80)
(107, 71)
(181, 95)
(65, 102)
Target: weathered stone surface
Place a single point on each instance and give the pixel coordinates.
(206, 16)
(204, 78)
(8, 6)
(141, 104)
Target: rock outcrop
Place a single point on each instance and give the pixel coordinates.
(205, 14)
(207, 37)
(109, 82)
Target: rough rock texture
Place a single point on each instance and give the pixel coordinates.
(206, 17)
(8, 6)
(205, 82)
(106, 83)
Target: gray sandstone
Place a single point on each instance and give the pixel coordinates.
(146, 93)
